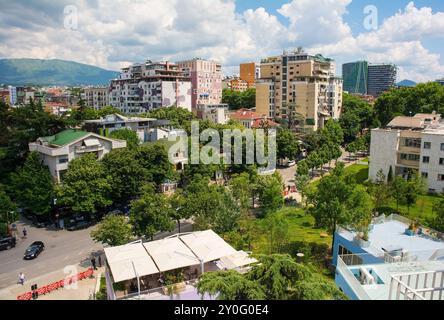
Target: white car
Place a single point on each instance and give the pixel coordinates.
(291, 163)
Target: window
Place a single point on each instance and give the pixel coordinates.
(425, 175)
(413, 143)
(425, 159)
(440, 177)
(442, 146)
(63, 160)
(427, 145)
(348, 257)
(410, 157)
(441, 161)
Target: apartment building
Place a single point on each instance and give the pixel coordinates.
(216, 113)
(249, 72)
(4, 96)
(299, 83)
(106, 125)
(206, 79)
(440, 81)
(381, 77)
(95, 97)
(410, 145)
(144, 87)
(17, 95)
(58, 150)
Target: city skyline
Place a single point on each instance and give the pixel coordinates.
(228, 31)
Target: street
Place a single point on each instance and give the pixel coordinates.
(62, 248)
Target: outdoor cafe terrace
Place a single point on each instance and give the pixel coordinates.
(147, 270)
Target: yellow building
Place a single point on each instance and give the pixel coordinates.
(297, 85)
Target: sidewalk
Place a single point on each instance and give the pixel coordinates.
(85, 288)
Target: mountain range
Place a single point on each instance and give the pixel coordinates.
(406, 83)
(21, 72)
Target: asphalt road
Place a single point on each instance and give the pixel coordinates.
(62, 248)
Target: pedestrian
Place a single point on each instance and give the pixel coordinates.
(100, 261)
(93, 263)
(22, 278)
(25, 233)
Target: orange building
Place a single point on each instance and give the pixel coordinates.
(248, 73)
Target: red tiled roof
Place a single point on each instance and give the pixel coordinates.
(261, 123)
(245, 114)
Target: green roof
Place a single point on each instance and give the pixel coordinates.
(65, 137)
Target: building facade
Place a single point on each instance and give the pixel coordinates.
(298, 83)
(216, 113)
(410, 145)
(144, 87)
(96, 97)
(355, 76)
(249, 72)
(440, 81)
(381, 77)
(206, 79)
(57, 151)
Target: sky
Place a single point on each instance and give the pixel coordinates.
(115, 33)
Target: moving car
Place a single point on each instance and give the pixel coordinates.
(7, 243)
(34, 250)
(79, 225)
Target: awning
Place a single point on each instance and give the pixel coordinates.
(121, 260)
(170, 254)
(236, 260)
(207, 245)
(92, 142)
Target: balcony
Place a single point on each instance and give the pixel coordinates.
(86, 149)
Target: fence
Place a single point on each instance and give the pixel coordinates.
(427, 285)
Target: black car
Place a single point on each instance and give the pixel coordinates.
(34, 250)
(79, 225)
(7, 243)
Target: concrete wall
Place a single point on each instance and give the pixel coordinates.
(433, 168)
(383, 151)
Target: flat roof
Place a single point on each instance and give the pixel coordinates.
(390, 235)
(65, 137)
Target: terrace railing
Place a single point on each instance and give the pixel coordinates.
(426, 285)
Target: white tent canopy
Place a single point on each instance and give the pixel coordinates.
(236, 260)
(121, 259)
(207, 245)
(170, 254)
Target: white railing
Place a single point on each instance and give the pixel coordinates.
(352, 281)
(427, 285)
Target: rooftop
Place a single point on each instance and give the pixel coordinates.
(65, 137)
(388, 235)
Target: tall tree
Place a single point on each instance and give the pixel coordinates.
(114, 230)
(287, 144)
(86, 187)
(151, 213)
(270, 193)
(32, 186)
(242, 190)
(154, 159)
(126, 174)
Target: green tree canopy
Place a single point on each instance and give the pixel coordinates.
(114, 230)
(269, 190)
(32, 186)
(86, 187)
(287, 144)
(151, 213)
(128, 135)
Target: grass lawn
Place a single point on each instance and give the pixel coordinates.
(301, 229)
(359, 171)
(422, 210)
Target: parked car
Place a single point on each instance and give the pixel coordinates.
(79, 225)
(34, 250)
(7, 243)
(291, 163)
(41, 222)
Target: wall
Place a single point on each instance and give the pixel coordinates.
(383, 151)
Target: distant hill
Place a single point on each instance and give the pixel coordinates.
(406, 83)
(52, 72)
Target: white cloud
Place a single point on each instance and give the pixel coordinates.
(114, 33)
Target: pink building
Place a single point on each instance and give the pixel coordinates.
(206, 80)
